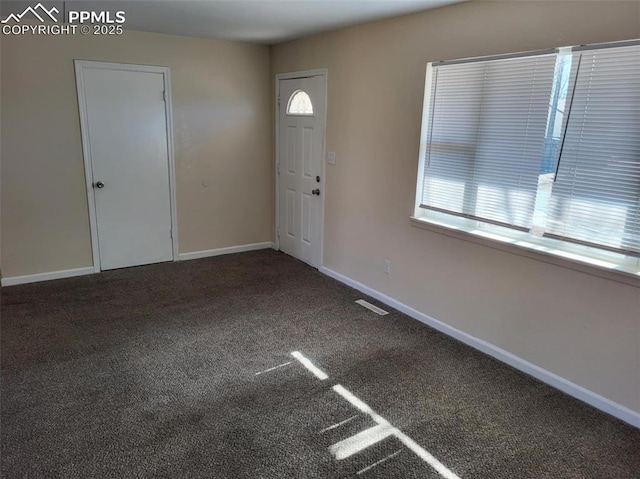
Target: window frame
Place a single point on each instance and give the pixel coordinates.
(612, 265)
(297, 92)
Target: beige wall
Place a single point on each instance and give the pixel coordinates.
(581, 327)
(222, 130)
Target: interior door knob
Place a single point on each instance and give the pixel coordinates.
(99, 184)
(315, 192)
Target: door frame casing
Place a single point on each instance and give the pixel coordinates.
(324, 72)
(80, 65)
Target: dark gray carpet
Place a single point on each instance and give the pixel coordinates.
(150, 372)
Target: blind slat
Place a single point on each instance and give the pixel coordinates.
(550, 138)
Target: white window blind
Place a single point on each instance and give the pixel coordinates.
(544, 143)
(486, 138)
(596, 195)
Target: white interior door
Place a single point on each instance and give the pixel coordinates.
(301, 125)
(126, 130)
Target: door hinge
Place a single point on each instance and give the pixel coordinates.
(278, 232)
(164, 95)
(171, 233)
(278, 168)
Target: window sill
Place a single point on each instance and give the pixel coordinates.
(549, 255)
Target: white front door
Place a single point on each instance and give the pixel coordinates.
(301, 124)
(126, 131)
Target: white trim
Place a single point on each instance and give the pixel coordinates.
(564, 255)
(80, 65)
(228, 250)
(289, 76)
(424, 134)
(600, 402)
(168, 105)
(88, 171)
(323, 183)
(68, 273)
(276, 239)
(302, 74)
(35, 278)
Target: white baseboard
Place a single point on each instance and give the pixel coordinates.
(219, 251)
(34, 278)
(68, 273)
(600, 402)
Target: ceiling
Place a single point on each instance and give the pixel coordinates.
(261, 21)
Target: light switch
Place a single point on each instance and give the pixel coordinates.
(331, 157)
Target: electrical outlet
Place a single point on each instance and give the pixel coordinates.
(331, 157)
(387, 266)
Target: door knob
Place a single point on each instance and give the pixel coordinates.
(99, 184)
(315, 192)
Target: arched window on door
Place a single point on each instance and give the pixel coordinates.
(299, 104)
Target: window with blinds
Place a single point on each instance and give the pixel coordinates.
(596, 195)
(547, 144)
